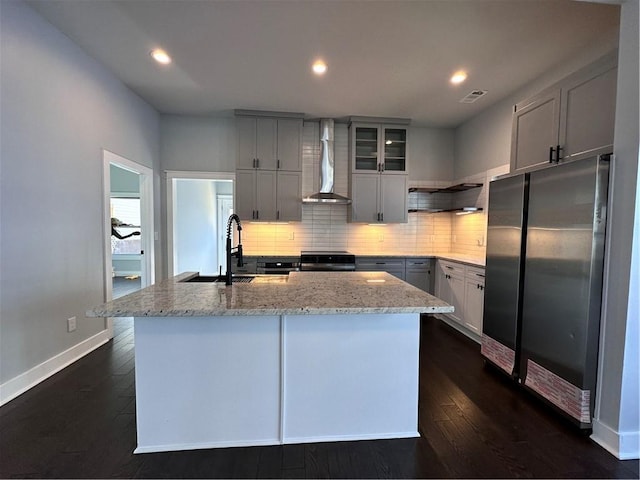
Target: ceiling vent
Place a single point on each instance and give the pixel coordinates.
(473, 96)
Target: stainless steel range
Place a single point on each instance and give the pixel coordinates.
(327, 261)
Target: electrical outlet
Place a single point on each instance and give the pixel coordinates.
(71, 324)
(481, 241)
(381, 237)
(292, 235)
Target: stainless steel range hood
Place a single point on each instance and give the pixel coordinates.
(327, 169)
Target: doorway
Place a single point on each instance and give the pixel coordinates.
(198, 206)
(128, 213)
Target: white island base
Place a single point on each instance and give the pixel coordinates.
(225, 381)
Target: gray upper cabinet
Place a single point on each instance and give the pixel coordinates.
(393, 199)
(256, 195)
(267, 143)
(289, 197)
(573, 119)
(588, 110)
(364, 198)
(535, 130)
(289, 144)
(378, 173)
(378, 198)
(269, 167)
(257, 143)
(378, 148)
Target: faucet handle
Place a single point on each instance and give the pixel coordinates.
(239, 255)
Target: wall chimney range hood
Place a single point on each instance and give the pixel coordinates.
(327, 169)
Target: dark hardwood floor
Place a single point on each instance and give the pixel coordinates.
(80, 423)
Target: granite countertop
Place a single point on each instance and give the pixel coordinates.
(299, 293)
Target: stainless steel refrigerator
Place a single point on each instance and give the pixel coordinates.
(543, 285)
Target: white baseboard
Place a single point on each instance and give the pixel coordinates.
(205, 445)
(623, 445)
(348, 438)
(452, 323)
(29, 379)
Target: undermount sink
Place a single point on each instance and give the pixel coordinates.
(219, 279)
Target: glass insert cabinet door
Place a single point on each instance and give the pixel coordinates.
(380, 149)
(366, 144)
(395, 149)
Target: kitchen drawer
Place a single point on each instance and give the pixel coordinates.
(475, 273)
(419, 264)
(394, 266)
(419, 273)
(452, 268)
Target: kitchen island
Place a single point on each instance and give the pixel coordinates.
(309, 357)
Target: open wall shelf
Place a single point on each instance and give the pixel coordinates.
(461, 187)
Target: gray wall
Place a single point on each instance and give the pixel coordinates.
(198, 144)
(431, 153)
(59, 109)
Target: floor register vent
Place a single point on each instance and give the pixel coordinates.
(473, 96)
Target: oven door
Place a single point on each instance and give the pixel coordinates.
(277, 268)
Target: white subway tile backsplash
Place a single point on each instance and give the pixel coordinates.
(325, 227)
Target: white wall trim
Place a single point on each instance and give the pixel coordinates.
(146, 222)
(29, 379)
(623, 445)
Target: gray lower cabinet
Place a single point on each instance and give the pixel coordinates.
(249, 266)
(419, 273)
(393, 265)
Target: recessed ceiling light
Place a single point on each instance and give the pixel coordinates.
(458, 77)
(161, 56)
(319, 67)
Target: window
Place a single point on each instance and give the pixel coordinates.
(125, 212)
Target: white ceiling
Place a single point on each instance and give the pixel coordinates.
(386, 58)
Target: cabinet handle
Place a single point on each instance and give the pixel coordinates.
(257, 163)
(278, 215)
(479, 275)
(257, 214)
(450, 268)
(558, 150)
(382, 217)
(278, 163)
(380, 263)
(551, 150)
